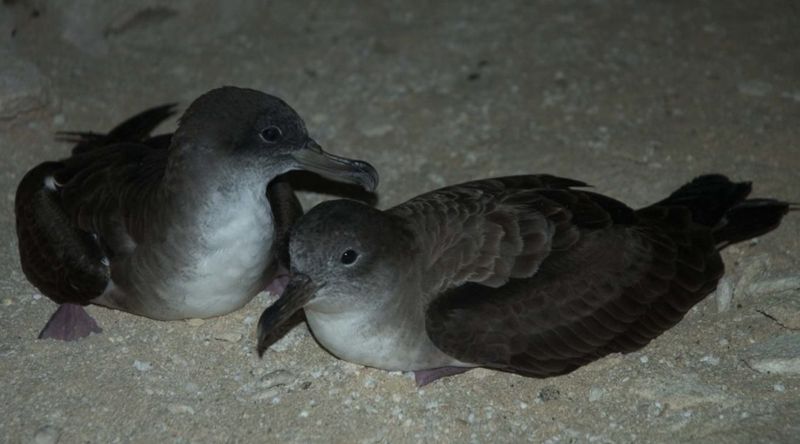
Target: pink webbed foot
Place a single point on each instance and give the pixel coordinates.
(69, 323)
(425, 377)
(278, 283)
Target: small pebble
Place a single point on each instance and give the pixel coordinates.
(774, 285)
(8, 301)
(777, 355)
(142, 366)
(549, 393)
(644, 359)
(267, 394)
(779, 387)
(196, 322)
(595, 393)
(724, 294)
(180, 408)
(276, 379)
(46, 435)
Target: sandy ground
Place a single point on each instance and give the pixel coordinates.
(633, 97)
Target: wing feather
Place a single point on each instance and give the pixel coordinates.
(70, 215)
(639, 273)
(487, 232)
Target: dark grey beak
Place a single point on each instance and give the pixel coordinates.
(311, 158)
(298, 292)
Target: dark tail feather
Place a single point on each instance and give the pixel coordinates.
(708, 197)
(135, 129)
(722, 205)
(750, 219)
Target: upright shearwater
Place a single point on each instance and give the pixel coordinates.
(183, 225)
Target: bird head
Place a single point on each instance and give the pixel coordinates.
(345, 257)
(254, 131)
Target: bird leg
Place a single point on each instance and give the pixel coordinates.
(69, 323)
(278, 283)
(425, 377)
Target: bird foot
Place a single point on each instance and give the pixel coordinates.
(69, 323)
(425, 377)
(278, 283)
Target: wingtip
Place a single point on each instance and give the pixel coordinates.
(261, 337)
(261, 349)
(260, 346)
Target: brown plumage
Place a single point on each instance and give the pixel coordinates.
(189, 224)
(526, 274)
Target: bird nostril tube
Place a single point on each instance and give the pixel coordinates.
(313, 145)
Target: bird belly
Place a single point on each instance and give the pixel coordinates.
(218, 273)
(355, 338)
(225, 279)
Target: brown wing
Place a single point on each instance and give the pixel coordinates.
(625, 279)
(488, 231)
(67, 264)
(108, 192)
(286, 209)
(72, 216)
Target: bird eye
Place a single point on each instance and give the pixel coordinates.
(271, 134)
(349, 256)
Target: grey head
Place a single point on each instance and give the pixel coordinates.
(252, 130)
(344, 255)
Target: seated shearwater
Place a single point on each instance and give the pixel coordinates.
(528, 274)
(183, 225)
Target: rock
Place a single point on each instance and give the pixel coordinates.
(276, 379)
(784, 308)
(194, 322)
(46, 435)
(724, 294)
(774, 285)
(595, 394)
(680, 392)
(180, 408)
(710, 359)
(142, 366)
(268, 385)
(23, 88)
(755, 269)
(780, 355)
(549, 393)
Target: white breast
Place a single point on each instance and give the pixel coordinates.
(211, 267)
(354, 338)
(229, 270)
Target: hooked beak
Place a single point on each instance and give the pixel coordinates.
(311, 157)
(298, 292)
